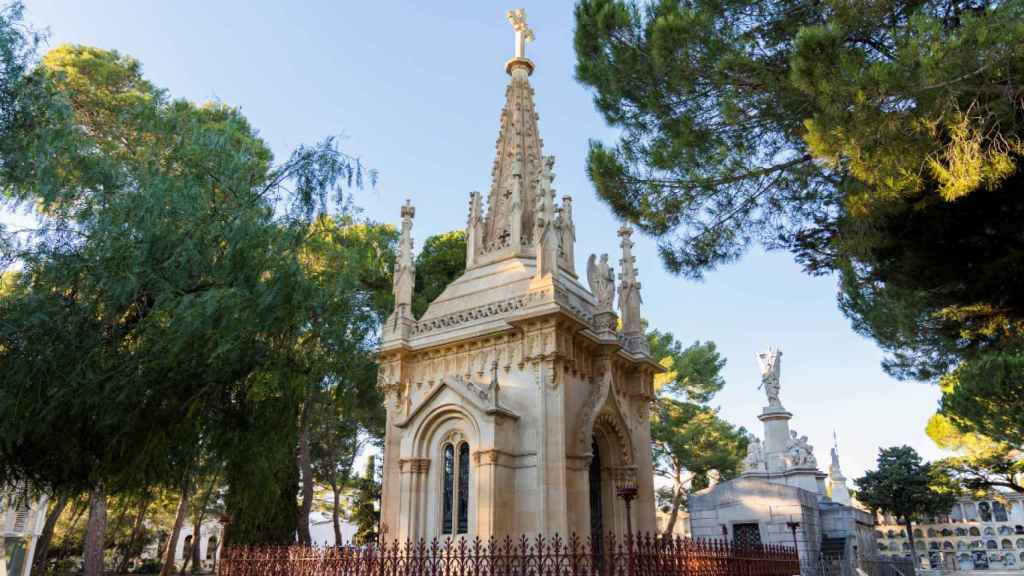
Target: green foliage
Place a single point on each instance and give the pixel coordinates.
(261, 474)
(689, 439)
(181, 295)
(693, 373)
(769, 121)
(905, 487)
(981, 463)
(692, 437)
(878, 140)
(985, 396)
(366, 504)
(442, 260)
(17, 52)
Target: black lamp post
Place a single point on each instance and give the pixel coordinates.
(792, 528)
(626, 488)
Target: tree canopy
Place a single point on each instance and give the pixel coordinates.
(181, 293)
(906, 487)
(981, 463)
(878, 141)
(442, 260)
(690, 441)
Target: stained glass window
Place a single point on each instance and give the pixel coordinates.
(463, 488)
(448, 488)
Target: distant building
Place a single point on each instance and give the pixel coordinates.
(978, 533)
(21, 519)
(783, 498)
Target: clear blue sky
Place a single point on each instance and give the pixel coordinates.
(417, 88)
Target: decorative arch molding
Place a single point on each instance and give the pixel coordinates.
(613, 428)
(599, 394)
(437, 426)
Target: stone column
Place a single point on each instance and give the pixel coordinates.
(776, 436)
(644, 519)
(551, 455)
(412, 520)
(486, 493)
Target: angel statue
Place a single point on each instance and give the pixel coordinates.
(601, 278)
(800, 452)
(771, 363)
(754, 461)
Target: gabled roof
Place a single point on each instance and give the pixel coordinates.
(484, 400)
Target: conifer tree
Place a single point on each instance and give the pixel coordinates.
(877, 141)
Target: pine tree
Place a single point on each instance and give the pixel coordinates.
(878, 141)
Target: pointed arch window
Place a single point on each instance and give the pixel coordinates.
(448, 487)
(455, 488)
(463, 491)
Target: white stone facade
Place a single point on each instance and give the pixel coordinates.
(978, 533)
(499, 395)
(21, 519)
(782, 497)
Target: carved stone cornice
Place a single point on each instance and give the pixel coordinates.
(496, 457)
(414, 465)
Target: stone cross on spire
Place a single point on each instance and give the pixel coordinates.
(523, 32)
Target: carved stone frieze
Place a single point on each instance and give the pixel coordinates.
(454, 437)
(414, 465)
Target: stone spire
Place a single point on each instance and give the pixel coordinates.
(567, 244)
(405, 269)
(474, 229)
(567, 227)
(508, 227)
(836, 481)
(629, 296)
(546, 227)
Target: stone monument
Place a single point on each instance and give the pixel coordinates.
(781, 498)
(514, 404)
(837, 488)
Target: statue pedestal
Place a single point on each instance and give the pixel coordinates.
(776, 437)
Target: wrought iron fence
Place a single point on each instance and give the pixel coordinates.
(540, 556)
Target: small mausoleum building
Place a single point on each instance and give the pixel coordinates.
(516, 404)
(21, 518)
(783, 498)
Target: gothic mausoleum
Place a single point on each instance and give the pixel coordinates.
(518, 402)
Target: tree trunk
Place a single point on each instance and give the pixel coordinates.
(76, 516)
(197, 522)
(94, 533)
(220, 544)
(306, 468)
(128, 551)
(186, 556)
(43, 543)
(336, 513)
(179, 520)
(910, 540)
(197, 547)
(677, 498)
